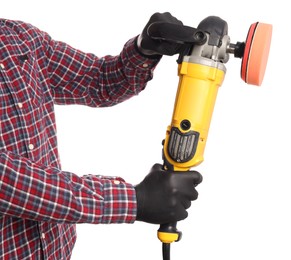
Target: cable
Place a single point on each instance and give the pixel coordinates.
(166, 251)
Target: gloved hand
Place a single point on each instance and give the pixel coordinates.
(163, 196)
(148, 46)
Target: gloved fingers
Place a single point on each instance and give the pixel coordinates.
(186, 203)
(189, 176)
(181, 213)
(188, 193)
(185, 183)
(170, 217)
(167, 48)
(157, 167)
(196, 177)
(182, 183)
(164, 26)
(164, 17)
(148, 45)
(174, 33)
(193, 195)
(192, 178)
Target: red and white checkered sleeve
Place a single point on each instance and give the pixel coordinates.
(41, 193)
(83, 78)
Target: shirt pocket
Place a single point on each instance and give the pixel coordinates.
(29, 71)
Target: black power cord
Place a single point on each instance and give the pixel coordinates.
(166, 251)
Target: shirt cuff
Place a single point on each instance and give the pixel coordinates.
(138, 60)
(120, 204)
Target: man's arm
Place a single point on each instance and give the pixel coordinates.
(81, 78)
(42, 193)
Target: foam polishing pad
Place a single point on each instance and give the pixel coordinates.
(256, 53)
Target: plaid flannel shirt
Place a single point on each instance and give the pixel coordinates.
(39, 203)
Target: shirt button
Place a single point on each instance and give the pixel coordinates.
(116, 182)
(145, 65)
(30, 146)
(20, 105)
(43, 235)
(2, 66)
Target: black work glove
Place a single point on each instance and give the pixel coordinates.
(148, 46)
(163, 196)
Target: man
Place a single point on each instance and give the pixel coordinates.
(39, 203)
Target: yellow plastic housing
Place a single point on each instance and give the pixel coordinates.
(195, 100)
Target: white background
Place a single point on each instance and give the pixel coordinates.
(243, 206)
